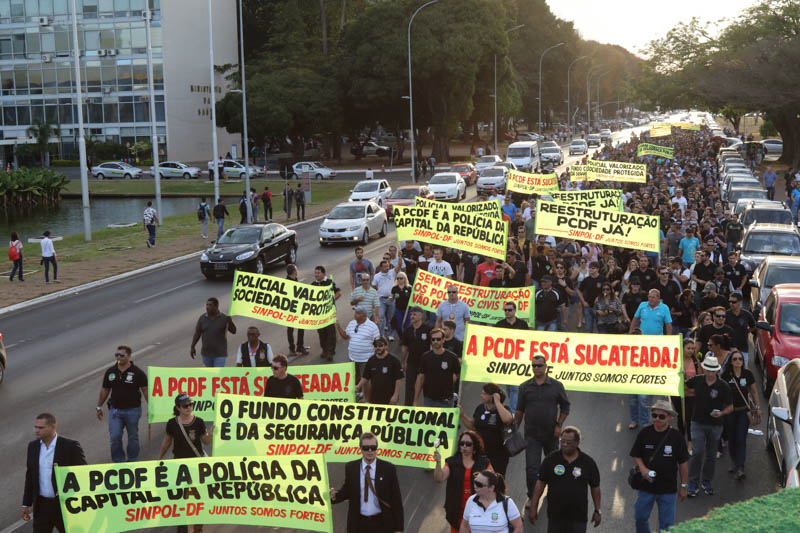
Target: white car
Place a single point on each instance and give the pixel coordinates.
(315, 169)
(492, 179)
(552, 154)
(353, 222)
(175, 169)
(377, 191)
(233, 169)
(487, 161)
(448, 186)
(116, 169)
(578, 146)
(773, 146)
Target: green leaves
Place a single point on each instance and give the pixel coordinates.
(30, 186)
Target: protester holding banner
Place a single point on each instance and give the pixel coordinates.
(383, 376)
(185, 433)
(300, 348)
(212, 326)
(254, 352)
(281, 384)
(327, 334)
(488, 420)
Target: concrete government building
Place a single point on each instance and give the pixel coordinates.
(37, 72)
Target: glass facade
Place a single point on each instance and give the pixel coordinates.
(37, 69)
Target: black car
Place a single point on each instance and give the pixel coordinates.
(249, 247)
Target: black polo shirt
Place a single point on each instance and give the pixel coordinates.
(707, 398)
(591, 288)
(439, 370)
(382, 374)
(735, 274)
(325, 282)
(568, 485)
(648, 277)
(669, 294)
(632, 300)
(125, 385)
(663, 460)
(547, 303)
(288, 387)
(518, 324)
(741, 325)
(417, 342)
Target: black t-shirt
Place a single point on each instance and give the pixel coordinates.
(326, 282)
(704, 272)
(665, 461)
(741, 325)
(742, 383)
(669, 294)
(562, 291)
(735, 274)
(631, 302)
(518, 324)
(439, 370)
(125, 386)
(410, 257)
(288, 387)
(734, 231)
(707, 331)
(490, 427)
(401, 297)
(591, 288)
(417, 342)
(706, 302)
(194, 430)
(499, 282)
(518, 279)
(547, 304)
(707, 398)
(382, 374)
(568, 485)
(453, 258)
(647, 278)
(455, 346)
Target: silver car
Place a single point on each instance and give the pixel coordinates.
(176, 169)
(353, 222)
(116, 169)
(783, 422)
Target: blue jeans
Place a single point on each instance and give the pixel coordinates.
(17, 268)
(548, 326)
(204, 227)
(705, 440)
(386, 309)
(119, 420)
(211, 361)
(589, 318)
(268, 211)
(151, 230)
(220, 227)
(430, 402)
(513, 392)
(736, 424)
(644, 506)
(47, 261)
(401, 323)
(639, 408)
(255, 212)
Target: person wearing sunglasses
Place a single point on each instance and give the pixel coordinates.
(437, 376)
(185, 433)
(608, 309)
(742, 323)
(373, 491)
(459, 471)
(745, 403)
(382, 378)
(488, 420)
(126, 384)
(661, 455)
(717, 327)
(453, 309)
(568, 473)
(281, 384)
(490, 509)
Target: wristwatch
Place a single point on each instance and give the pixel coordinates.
(684, 485)
(598, 512)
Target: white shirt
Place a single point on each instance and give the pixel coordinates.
(253, 352)
(441, 268)
(369, 174)
(371, 506)
(383, 283)
(47, 247)
(681, 203)
(490, 520)
(360, 346)
(46, 455)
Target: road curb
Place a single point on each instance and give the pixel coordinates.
(119, 277)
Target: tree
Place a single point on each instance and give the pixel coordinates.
(42, 132)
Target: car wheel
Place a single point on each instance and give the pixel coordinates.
(767, 438)
(292, 176)
(323, 244)
(766, 382)
(209, 275)
(241, 175)
(365, 237)
(319, 177)
(161, 176)
(291, 258)
(2, 372)
(127, 176)
(187, 176)
(260, 266)
(384, 229)
(100, 176)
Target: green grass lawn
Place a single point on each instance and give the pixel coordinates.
(774, 513)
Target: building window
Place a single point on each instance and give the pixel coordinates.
(23, 115)
(111, 112)
(45, 7)
(126, 112)
(65, 112)
(10, 115)
(31, 8)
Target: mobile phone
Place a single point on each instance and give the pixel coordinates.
(715, 412)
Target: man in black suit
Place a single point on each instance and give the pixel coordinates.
(254, 352)
(41, 491)
(371, 486)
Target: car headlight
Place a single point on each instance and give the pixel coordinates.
(246, 255)
(779, 361)
(204, 257)
(353, 228)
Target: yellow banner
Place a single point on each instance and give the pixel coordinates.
(407, 436)
(660, 132)
(686, 126)
(282, 492)
(489, 208)
(320, 382)
(526, 183)
(643, 149)
(282, 301)
(619, 364)
(593, 198)
(470, 232)
(577, 172)
(485, 303)
(603, 226)
(616, 171)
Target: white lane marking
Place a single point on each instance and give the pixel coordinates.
(15, 526)
(8, 348)
(166, 291)
(97, 370)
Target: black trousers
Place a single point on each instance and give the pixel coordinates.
(47, 515)
(558, 525)
(300, 338)
(371, 524)
(411, 382)
(327, 339)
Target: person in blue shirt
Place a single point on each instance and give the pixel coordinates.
(770, 177)
(509, 208)
(688, 246)
(795, 200)
(653, 316)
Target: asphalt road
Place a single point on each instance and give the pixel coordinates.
(58, 352)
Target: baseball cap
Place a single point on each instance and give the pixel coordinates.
(182, 399)
(635, 281)
(416, 309)
(359, 309)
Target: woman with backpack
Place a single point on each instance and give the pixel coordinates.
(15, 255)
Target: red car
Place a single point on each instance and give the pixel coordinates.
(405, 195)
(777, 340)
(467, 171)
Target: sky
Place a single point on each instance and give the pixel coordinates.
(634, 23)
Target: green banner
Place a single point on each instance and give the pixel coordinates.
(407, 436)
(485, 303)
(320, 382)
(593, 198)
(667, 152)
(489, 208)
(283, 492)
(470, 232)
(282, 301)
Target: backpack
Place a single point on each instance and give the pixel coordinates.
(13, 251)
(201, 211)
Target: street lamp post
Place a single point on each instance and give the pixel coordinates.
(588, 99)
(411, 91)
(569, 115)
(87, 216)
(152, 95)
(214, 163)
(244, 119)
(597, 118)
(495, 88)
(541, 57)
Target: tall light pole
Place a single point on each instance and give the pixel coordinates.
(599, 77)
(495, 89)
(87, 215)
(215, 164)
(541, 57)
(411, 90)
(152, 95)
(569, 114)
(244, 118)
(588, 99)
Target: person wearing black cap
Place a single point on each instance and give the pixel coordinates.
(437, 375)
(281, 384)
(186, 433)
(548, 303)
(711, 298)
(382, 377)
(632, 298)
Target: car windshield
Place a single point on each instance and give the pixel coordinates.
(549, 144)
(442, 179)
(459, 168)
(404, 194)
(550, 150)
(317, 164)
(346, 212)
(487, 159)
(736, 194)
(594, 136)
(492, 173)
(240, 236)
(767, 216)
(772, 243)
(790, 319)
(519, 151)
(366, 186)
(577, 143)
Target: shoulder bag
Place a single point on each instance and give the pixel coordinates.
(635, 479)
(188, 440)
(513, 441)
(754, 415)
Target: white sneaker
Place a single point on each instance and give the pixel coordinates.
(391, 339)
(148, 244)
